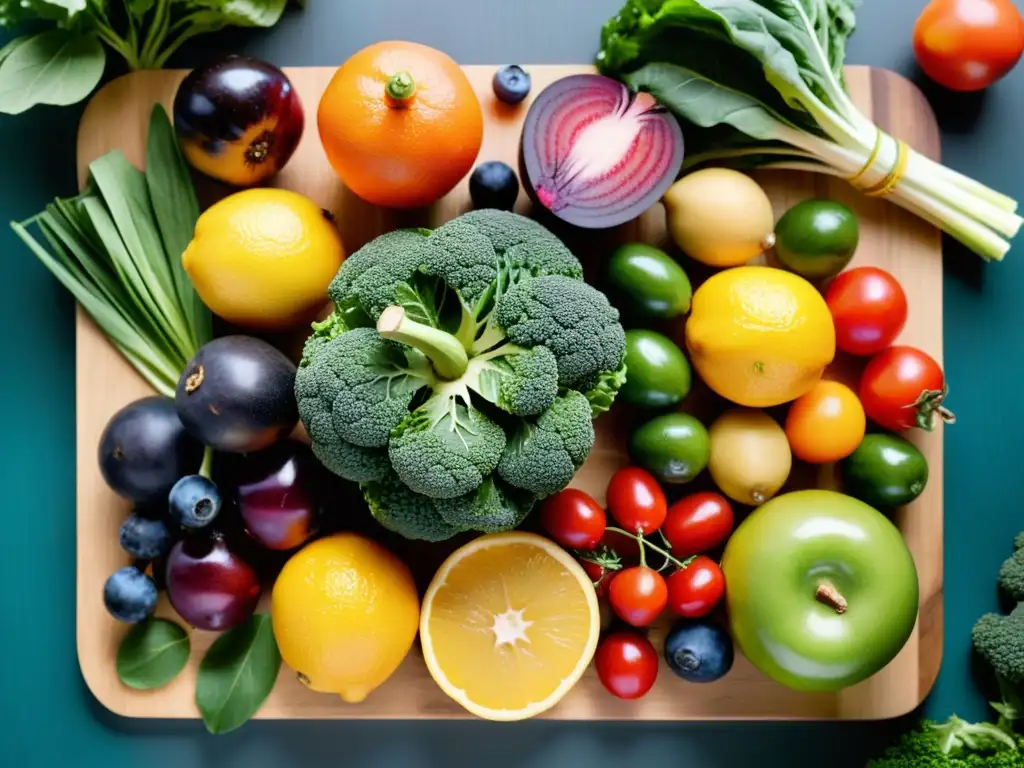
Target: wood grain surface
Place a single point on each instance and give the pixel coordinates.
(117, 118)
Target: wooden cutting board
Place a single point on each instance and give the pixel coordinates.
(117, 118)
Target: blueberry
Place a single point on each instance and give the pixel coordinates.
(698, 651)
(194, 501)
(130, 595)
(145, 537)
(511, 84)
(494, 185)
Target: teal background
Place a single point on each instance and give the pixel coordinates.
(48, 717)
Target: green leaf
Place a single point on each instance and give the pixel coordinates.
(151, 654)
(56, 67)
(8, 49)
(237, 674)
(72, 7)
(139, 8)
(177, 210)
(239, 13)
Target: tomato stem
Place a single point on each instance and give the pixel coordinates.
(644, 543)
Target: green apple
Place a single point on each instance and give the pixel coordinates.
(821, 589)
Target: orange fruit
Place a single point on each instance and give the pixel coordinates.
(826, 424)
(401, 124)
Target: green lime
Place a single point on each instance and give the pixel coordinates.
(674, 447)
(645, 281)
(657, 373)
(885, 471)
(817, 238)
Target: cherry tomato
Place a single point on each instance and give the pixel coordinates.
(638, 595)
(966, 45)
(598, 575)
(573, 519)
(903, 387)
(869, 309)
(694, 590)
(697, 523)
(627, 665)
(826, 424)
(636, 501)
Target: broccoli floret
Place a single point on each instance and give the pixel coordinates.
(463, 257)
(408, 514)
(364, 382)
(445, 449)
(378, 251)
(521, 381)
(952, 744)
(542, 458)
(490, 508)
(1011, 573)
(1000, 641)
(352, 462)
(572, 319)
(526, 247)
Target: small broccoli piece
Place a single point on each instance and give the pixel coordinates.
(491, 508)
(1000, 641)
(377, 251)
(364, 382)
(521, 381)
(464, 258)
(573, 319)
(352, 462)
(404, 512)
(445, 448)
(542, 458)
(955, 743)
(527, 248)
(1011, 573)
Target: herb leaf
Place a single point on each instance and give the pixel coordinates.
(56, 67)
(237, 674)
(240, 13)
(152, 654)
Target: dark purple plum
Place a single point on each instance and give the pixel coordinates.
(209, 585)
(281, 493)
(145, 448)
(237, 395)
(238, 119)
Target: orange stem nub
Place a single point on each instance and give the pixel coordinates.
(400, 89)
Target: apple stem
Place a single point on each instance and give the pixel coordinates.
(830, 596)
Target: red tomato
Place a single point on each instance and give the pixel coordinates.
(697, 523)
(636, 500)
(627, 665)
(598, 575)
(869, 309)
(573, 519)
(903, 387)
(967, 45)
(694, 590)
(638, 595)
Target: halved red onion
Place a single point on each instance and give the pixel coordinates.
(596, 154)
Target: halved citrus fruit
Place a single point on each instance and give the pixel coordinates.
(509, 624)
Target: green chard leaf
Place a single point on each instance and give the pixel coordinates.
(239, 13)
(8, 49)
(237, 674)
(152, 654)
(57, 67)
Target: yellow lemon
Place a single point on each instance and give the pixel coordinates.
(345, 612)
(759, 336)
(509, 624)
(263, 258)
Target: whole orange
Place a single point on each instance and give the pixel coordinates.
(826, 424)
(401, 124)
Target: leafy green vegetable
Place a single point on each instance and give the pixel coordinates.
(62, 66)
(759, 83)
(151, 654)
(237, 674)
(117, 247)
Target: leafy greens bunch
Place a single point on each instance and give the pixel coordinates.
(62, 66)
(759, 83)
(459, 375)
(117, 248)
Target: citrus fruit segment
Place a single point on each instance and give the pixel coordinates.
(509, 624)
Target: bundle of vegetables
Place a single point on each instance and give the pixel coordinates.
(458, 377)
(759, 83)
(117, 247)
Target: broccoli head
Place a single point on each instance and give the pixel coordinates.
(1000, 641)
(1011, 573)
(464, 366)
(954, 743)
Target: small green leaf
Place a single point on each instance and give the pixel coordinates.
(8, 49)
(152, 654)
(240, 13)
(72, 7)
(140, 8)
(237, 674)
(56, 67)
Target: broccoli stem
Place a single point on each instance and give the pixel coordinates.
(444, 351)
